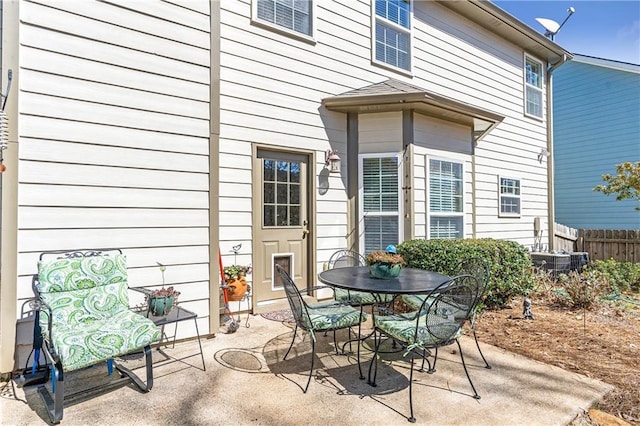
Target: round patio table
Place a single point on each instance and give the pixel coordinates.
(358, 278)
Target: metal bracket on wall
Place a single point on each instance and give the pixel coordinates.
(5, 96)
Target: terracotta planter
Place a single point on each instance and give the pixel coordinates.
(237, 288)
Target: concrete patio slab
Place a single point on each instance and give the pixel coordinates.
(246, 382)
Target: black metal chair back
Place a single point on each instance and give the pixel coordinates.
(443, 315)
(296, 302)
(478, 268)
(346, 258)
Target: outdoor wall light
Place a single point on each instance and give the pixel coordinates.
(332, 161)
(543, 154)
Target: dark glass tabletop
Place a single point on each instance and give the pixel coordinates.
(358, 278)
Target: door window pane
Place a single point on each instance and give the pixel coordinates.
(282, 193)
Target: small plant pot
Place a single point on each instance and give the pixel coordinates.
(237, 288)
(385, 271)
(161, 305)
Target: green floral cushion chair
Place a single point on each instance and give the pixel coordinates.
(85, 317)
(319, 317)
(438, 322)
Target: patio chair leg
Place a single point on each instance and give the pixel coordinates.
(475, 393)
(432, 368)
(295, 330)
(374, 360)
(473, 329)
(54, 405)
(411, 418)
(134, 378)
(358, 350)
(313, 358)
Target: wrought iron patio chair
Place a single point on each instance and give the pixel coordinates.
(437, 323)
(476, 267)
(319, 317)
(85, 320)
(346, 258)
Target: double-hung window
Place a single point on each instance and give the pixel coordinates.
(294, 16)
(533, 79)
(380, 201)
(392, 41)
(509, 190)
(446, 199)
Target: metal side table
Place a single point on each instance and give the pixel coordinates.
(176, 315)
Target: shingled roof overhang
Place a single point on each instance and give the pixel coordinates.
(394, 95)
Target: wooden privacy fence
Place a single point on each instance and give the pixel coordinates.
(602, 244)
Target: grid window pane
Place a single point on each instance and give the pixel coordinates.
(510, 203)
(379, 232)
(445, 186)
(534, 102)
(446, 227)
(289, 14)
(392, 33)
(282, 193)
(533, 87)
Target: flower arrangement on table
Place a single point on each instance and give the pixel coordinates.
(385, 263)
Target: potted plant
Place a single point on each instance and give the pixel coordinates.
(385, 264)
(161, 301)
(235, 278)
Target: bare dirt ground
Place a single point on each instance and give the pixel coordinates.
(603, 343)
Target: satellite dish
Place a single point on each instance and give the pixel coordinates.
(552, 26)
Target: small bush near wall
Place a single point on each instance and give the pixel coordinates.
(508, 261)
(622, 276)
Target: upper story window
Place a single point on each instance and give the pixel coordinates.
(295, 16)
(509, 190)
(392, 44)
(533, 79)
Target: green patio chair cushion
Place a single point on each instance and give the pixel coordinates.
(403, 329)
(91, 320)
(326, 316)
(358, 298)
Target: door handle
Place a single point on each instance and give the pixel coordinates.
(305, 229)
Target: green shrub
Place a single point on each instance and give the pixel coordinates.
(580, 290)
(622, 276)
(508, 261)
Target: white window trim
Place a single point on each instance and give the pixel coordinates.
(525, 85)
(500, 212)
(285, 31)
(374, 20)
(462, 214)
(361, 212)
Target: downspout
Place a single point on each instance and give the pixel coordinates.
(550, 159)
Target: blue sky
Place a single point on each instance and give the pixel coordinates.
(606, 29)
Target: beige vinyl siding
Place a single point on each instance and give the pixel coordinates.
(439, 139)
(114, 139)
(458, 59)
(272, 85)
